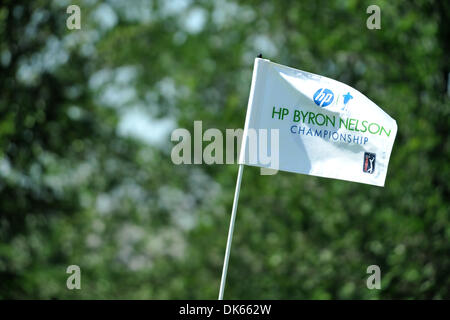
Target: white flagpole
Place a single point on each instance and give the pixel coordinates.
(230, 231)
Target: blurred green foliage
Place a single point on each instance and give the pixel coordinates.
(78, 188)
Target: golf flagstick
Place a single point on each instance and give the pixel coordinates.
(230, 231)
(275, 85)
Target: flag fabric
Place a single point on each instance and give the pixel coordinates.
(325, 127)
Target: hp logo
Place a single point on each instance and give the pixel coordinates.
(323, 97)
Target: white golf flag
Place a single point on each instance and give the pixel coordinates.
(325, 127)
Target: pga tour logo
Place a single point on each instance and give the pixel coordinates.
(323, 97)
(369, 162)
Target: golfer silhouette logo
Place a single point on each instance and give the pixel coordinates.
(369, 162)
(347, 97)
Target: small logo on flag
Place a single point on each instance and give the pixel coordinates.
(369, 162)
(323, 97)
(347, 97)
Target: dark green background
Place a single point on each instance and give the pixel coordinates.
(74, 189)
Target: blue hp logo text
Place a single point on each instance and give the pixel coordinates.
(323, 97)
